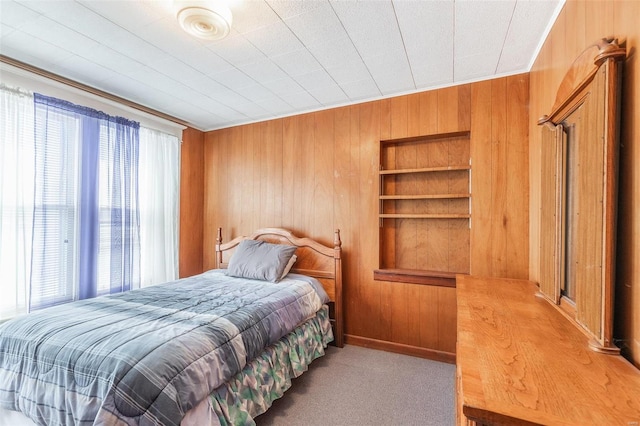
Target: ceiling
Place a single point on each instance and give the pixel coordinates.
(282, 57)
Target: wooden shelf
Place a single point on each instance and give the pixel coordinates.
(426, 138)
(426, 170)
(415, 276)
(424, 216)
(424, 197)
(424, 208)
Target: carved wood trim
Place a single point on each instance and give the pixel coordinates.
(580, 74)
(592, 81)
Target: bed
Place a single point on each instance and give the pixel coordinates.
(206, 350)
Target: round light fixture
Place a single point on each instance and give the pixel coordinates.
(211, 23)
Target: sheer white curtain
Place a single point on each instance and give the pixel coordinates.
(158, 180)
(158, 190)
(16, 198)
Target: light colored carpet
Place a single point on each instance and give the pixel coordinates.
(359, 386)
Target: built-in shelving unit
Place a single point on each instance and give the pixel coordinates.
(425, 208)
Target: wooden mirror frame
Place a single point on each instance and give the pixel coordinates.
(592, 81)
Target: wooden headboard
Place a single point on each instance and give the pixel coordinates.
(314, 259)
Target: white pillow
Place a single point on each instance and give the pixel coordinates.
(289, 266)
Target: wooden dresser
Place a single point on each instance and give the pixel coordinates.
(521, 362)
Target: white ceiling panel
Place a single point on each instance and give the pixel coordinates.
(86, 71)
(252, 110)
(287, 8)
(52, 32)
(390, 84)
(430, 30)
(5, 31)
(334, 53)
(276, 105)
(331, 94)
(301, 100)
(233, 77)
(348, 72)
(159, 97)
(252, 15)
(435, 72)
(204, 60)
(281, 57)
(314, 79)
(274, 40)
(283, 86)
(297, 63)
(166, 36)
(264, 70)
(39, 52)
(372, 26)
(256, 92)
(392, 74)
(361, 89)
(16, 14)
(136, 17)
(237, 50)
(478, 54)
(317, 25)
(530, 16)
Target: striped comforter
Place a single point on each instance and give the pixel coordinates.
(146, 356)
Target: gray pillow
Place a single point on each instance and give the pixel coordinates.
(260, 260)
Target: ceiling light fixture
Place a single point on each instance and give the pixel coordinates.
(205, 20)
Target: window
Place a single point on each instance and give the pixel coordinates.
(71, 217)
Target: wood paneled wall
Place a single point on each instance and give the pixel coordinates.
(191, 202)
(580, 24)
(316, 172)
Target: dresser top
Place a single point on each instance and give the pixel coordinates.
(521, 361)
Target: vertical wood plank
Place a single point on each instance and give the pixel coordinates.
(428, 112)
(430, 316)
(386, 308)
(289, 125)
(371, 130)
(211, 193)
(517, 153)
(464, 107)
(273, 143)
(599, 14)
(447, 319)
(305, 137)
(342, 183)
(192, 162)
(627, 310)
(481, 182)
(413, 115)
(354, 285)
(428, 126)
(322, 215)
(499, 176)
(575, 32)
(233, 147)
(272, 173)
(448, 115)
(405, 231)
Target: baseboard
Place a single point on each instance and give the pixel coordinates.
(400, 348)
